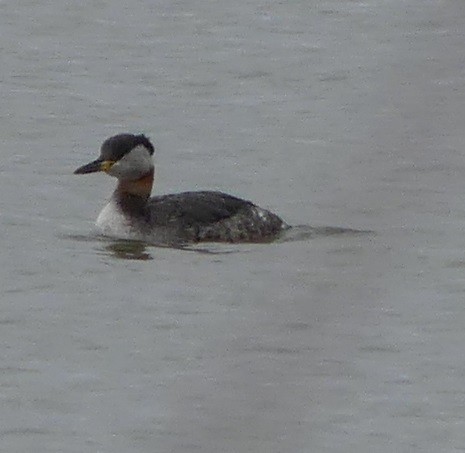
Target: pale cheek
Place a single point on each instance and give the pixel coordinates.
(115, 170)
(121, 169)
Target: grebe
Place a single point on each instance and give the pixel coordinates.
(205, 216)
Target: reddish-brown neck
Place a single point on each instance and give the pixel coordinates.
(140, 187)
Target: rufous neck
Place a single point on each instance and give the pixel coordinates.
(141, 187)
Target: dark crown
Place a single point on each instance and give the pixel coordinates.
(114, 148)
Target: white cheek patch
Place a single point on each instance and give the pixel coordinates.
(137, 163)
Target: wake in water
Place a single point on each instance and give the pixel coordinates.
(139, 250)
(307, 232)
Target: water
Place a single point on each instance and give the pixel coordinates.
(332, 114)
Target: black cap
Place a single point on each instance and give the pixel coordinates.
(114, 148)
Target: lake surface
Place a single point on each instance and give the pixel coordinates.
(330, 113)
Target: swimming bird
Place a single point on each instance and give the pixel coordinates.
(203, 216)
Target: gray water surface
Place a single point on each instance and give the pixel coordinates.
(332, 114)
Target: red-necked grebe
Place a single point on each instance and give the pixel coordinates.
(205, 216)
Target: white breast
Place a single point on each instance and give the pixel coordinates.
(111, 222)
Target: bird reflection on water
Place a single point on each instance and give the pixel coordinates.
(138, 250)
(128, 250)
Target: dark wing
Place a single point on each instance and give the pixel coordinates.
(211, 216)
(194, 208)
